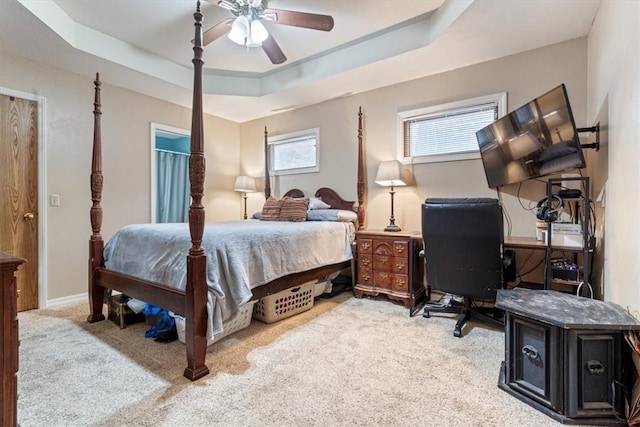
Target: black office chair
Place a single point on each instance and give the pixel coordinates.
(463, 255)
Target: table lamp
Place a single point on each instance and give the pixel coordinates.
(245, 184)
(390, 175)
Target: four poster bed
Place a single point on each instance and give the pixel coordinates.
(188, 289)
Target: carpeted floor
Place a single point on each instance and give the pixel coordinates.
(346, 362)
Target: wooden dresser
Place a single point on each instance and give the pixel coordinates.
(9, 342)
(388, 263)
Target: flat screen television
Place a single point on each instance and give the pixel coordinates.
(535, 140)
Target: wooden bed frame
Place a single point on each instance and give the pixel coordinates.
(191, 302)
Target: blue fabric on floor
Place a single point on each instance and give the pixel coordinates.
(159, 319)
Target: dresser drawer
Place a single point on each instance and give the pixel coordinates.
(400, 282)
(382, 279)
(401, 249)
(383, 263)
(365, 261)
(365, 246)
(382, 247)
(365, 276)
(400, 265)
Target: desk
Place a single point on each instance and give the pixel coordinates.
(531, 243)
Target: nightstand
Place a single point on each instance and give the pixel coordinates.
(388, 263)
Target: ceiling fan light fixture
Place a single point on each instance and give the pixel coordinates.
(228, 5)
(258, 32)
(252, 43)
(240, 30)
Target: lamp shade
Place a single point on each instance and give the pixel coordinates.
(390, 174)
(258, 31)
(245, 184)
(239, 30)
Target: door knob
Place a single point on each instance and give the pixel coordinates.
(28, 216)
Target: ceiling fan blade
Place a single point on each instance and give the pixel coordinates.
(273, 51)
(215, 32)
(299, 19)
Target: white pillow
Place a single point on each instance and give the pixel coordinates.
(317, 203)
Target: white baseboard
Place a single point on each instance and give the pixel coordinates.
(64, 301)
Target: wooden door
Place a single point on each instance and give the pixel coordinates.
(19, 192)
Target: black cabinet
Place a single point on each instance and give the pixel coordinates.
(532, 357)
(565, 355)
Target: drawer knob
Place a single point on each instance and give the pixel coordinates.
(400, 265)
(399, 248)
(366, 246)
(383, 259)
(384, 275)
(365, 261)
(366, 277)
(530, 351)
(595, 367)
(400, 282)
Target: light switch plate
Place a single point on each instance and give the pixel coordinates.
(54, 200)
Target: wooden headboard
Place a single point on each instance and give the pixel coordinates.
(328, 195)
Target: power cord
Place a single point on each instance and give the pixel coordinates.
(579, 289)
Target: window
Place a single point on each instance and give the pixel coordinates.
(447, 132)
(296, 152)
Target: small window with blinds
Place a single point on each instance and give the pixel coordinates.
(294, 153)
(448, 132)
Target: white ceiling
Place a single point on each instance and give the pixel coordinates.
(145, 45)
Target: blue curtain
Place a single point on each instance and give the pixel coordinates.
(173, 186)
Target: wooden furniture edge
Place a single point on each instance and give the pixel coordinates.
(10, 341)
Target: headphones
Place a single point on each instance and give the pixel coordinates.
(549, 208)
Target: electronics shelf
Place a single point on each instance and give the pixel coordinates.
(581, 206)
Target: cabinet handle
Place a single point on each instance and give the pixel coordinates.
(530, 351)
(366, 277)
(399, 248)
(400, 265)
(384, 275)
(366, 246)
(595, 367)
(365, 261)
(400, 282)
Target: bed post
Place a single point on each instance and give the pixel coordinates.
(96, 244)
(360, 173)
(267, 180)
(196, 288)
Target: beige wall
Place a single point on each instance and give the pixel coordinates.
(126, 162)
(614, 100)
(523, 77)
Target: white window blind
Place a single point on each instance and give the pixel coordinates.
(448, 132)
(294, 153)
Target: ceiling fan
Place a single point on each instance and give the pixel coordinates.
(247, 29)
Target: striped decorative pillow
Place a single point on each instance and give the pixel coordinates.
(294, 209)
(271, 209)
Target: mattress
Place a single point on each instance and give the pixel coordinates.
(241, 255)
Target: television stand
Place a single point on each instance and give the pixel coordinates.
(566, 356)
